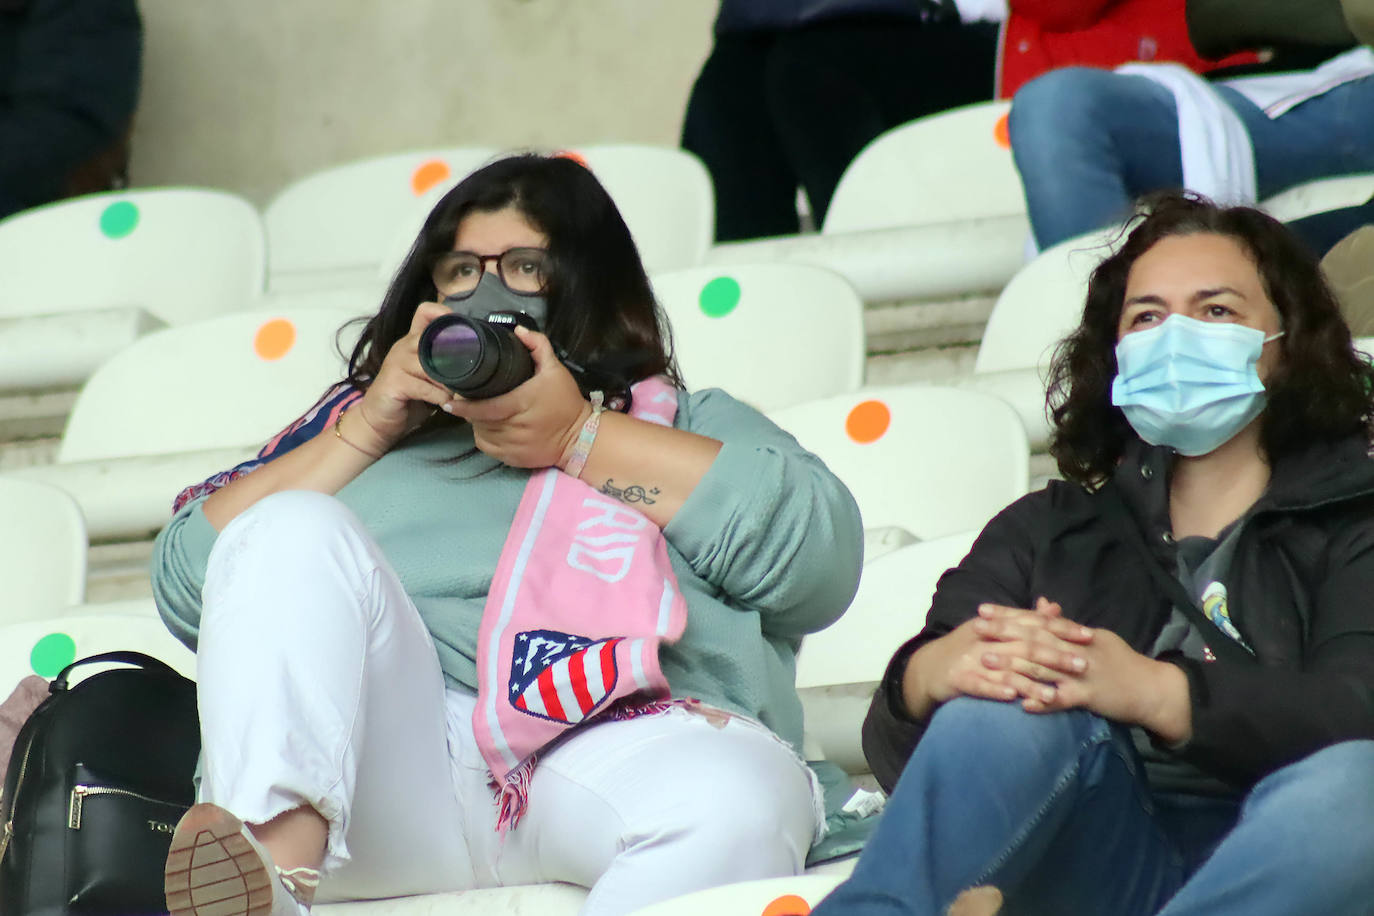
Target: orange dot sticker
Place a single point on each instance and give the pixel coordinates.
(868, 422)
(274, 339)
(787, 905)
(574, 155)
(427, 175)
(1001, 131)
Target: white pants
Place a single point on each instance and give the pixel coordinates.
(320, 685)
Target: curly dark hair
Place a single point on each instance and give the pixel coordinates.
(1320, 389)
(603, 317)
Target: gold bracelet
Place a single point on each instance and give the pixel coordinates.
(338, 431)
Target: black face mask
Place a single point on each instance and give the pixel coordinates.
(493, 297)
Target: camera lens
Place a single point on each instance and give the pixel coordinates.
(475, 358)
(455, 350)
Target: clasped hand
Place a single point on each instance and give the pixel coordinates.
(1045, 661)
(534, 426)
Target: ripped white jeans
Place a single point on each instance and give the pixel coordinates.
(319, 685)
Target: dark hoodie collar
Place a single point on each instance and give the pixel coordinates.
(1318, 475)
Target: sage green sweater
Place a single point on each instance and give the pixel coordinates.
(766, 549)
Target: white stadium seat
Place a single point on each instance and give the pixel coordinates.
(839, 667)
(335, 226)
(1042, 304)
(751, 898)
(187, 402)
(354, 223)
(226, 382)
(770, 334)
(951, 166)
(180, 254)
(929, 459)
(44, 647)
(890, 608)
(1319, 196)
(42, 549)
(663, 193)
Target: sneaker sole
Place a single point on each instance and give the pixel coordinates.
(212, 869)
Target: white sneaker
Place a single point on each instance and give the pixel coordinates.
(217, 868)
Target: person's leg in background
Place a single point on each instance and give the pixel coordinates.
(727, 126)
(1322, 231)
(320, 690)
(1053, 810)
(1332, 134)
(1087, 142)
(836, 85)
(1303, 844)
(656, 807)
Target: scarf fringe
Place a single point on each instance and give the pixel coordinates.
(513, 792)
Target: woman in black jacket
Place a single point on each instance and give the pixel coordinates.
(1150, 688)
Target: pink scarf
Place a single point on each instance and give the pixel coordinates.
(582, 598)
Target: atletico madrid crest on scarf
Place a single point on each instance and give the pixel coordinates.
(561, 677)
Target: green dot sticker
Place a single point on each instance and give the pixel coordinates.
(51, 654)
(720, 296)
(119, 219)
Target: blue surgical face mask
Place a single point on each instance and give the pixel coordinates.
(1189, 384)
(493, 296)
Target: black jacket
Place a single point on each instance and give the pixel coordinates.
(1301, 589)
(69, 81)
(779, 15)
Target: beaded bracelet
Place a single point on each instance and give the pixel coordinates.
(587, 436)
(338, 431)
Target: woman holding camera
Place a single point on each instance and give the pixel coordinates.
(446, 643)
(1150, 688)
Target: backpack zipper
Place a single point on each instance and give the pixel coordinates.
(18, 782)
(79, 793)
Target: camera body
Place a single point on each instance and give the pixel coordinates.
(477, 357)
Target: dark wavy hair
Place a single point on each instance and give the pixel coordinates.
(603, 319)
(1320, 389)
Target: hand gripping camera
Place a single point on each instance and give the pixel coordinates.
(477, 357)
(474, 351)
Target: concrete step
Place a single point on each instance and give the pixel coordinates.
(907, 326)
(930, 365)
(18, 453)
(34, 415)
(119, 571)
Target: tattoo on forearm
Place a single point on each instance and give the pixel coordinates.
(634, 493)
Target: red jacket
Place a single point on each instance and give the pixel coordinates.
(1041, 35)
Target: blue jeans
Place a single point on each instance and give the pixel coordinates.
(1054, 810)
(1088, 142)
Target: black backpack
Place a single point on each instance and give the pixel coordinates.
(99, 777)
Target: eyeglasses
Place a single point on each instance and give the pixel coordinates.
(525, 271)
